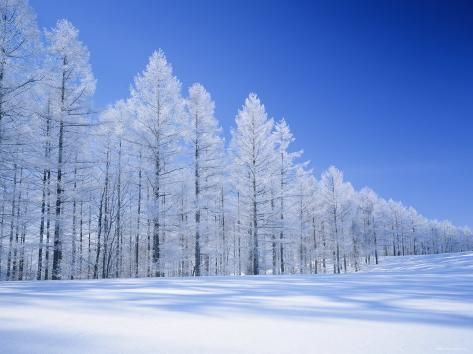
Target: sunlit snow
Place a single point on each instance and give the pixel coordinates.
(412, 304)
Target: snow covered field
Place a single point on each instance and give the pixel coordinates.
(415, 304)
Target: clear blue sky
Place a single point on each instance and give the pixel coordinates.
(381, 89)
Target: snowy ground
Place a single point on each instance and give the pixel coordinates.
(421, 304)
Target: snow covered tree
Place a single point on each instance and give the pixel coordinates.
(159, 107)
(204, 138)
(73, 83)
(286, 176)
(367, 200)
(304, 197)
(253, 154)
(336, 195)
(18, 45)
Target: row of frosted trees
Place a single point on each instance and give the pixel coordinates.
(148, 187)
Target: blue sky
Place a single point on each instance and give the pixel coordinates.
(381, 89)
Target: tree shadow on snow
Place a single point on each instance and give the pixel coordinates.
(426, 296)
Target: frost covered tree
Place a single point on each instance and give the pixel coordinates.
(159, 108)
(19, 43)
(286, 168)
(19, 46)
(367, 201)
(304, 197)
(253, 155)
(203, 135)
(73, 84)
(117, 153)
(336, 195)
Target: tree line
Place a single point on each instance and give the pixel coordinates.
(149, 188)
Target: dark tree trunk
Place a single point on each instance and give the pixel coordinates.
(57, 254)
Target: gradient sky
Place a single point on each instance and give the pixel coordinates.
(381, 89)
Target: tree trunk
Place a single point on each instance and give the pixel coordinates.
(197, 206)
(89, 230)
(157, 215)
(48, 226)
(21, 265)
(138, 223)
(81, 236)
(57, 255)
(255, 231)
(17, 229)
(118, 231)
(2, 225)
(148, 236)
(99, 233)
(105, 218)
(74, 222)
(12, 224)
(43, 197)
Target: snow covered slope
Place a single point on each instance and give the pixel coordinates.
(418, 304)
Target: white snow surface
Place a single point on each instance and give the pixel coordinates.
(412, 304)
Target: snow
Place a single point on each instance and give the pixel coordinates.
(412, 304)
